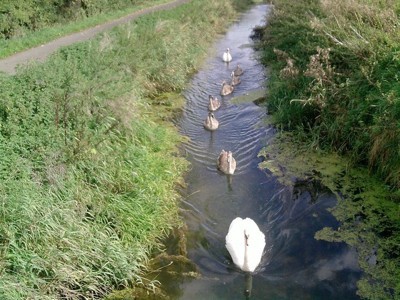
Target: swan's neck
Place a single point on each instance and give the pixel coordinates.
(246, 245)
(249, 285)
(230, 167)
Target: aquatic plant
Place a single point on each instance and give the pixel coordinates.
(367, 210)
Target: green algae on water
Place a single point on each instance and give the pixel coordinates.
(367, 210)
(251, 96)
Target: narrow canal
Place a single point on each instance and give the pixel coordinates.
(294, 265)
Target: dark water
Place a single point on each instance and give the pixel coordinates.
(295, 265)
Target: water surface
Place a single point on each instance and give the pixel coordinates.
(295, 265)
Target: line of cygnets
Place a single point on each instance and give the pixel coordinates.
(226, 163)
(244, 241)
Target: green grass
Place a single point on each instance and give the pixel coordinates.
(334, 84)
(345, 88)
(32, 39)
(89, 160)
(35, 38)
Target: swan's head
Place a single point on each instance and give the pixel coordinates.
(223, 83)
(211, 115)
(227, 50)
(223, 154)
(210, 97)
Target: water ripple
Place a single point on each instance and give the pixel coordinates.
(215, 199)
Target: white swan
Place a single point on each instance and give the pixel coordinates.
(227, 57)
(245, 243)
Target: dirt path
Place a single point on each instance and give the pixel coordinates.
(40, 53)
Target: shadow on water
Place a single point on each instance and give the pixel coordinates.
(295, 265)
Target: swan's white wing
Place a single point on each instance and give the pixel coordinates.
(256, 244)
(235, 241)
(226, 57)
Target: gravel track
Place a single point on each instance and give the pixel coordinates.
(40, 53)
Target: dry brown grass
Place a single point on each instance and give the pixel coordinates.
(370, 21)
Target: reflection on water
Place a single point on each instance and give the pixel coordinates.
(295, 265)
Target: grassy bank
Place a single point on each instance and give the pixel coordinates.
(334, 84)
(336, 77)
(89, 161)
(29, 25)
